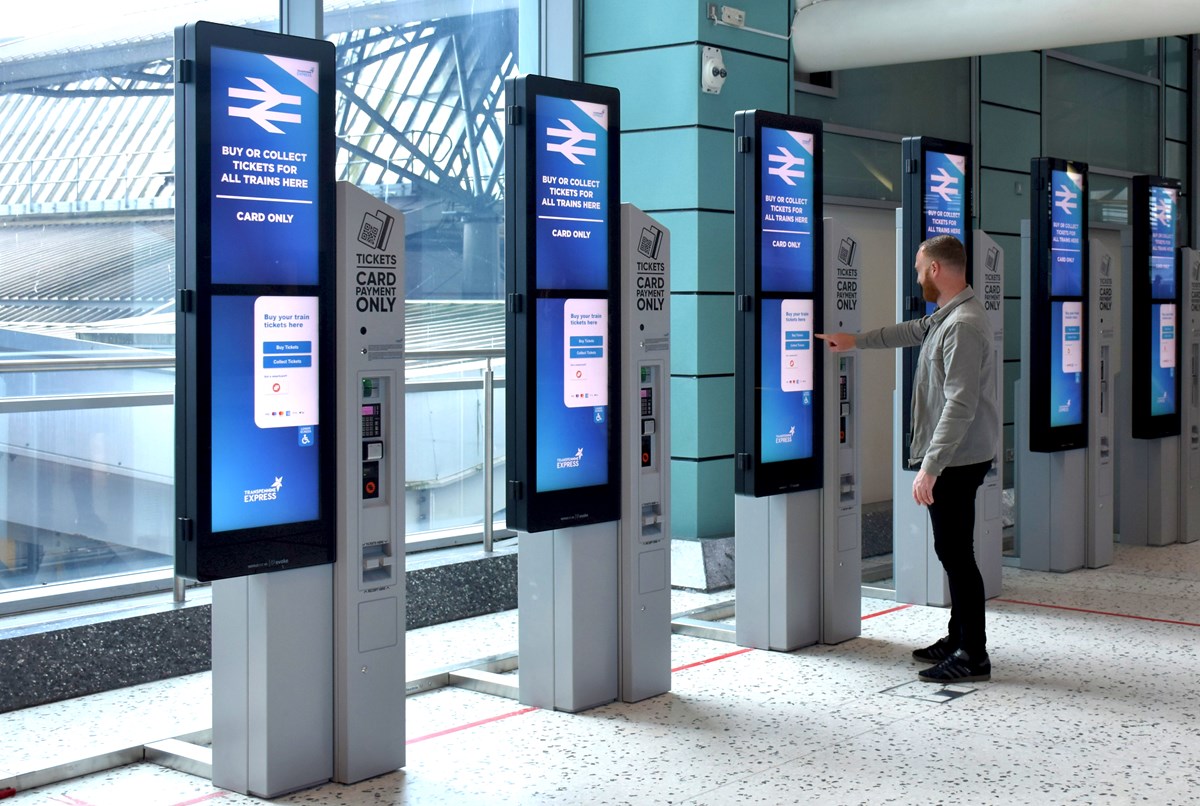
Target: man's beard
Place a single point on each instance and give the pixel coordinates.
(928, 291)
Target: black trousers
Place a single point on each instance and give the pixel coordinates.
(952, 514)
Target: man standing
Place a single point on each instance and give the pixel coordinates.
(955, 427)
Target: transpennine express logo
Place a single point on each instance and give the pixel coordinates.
(569, 461)
(785, 439)
(264, 493)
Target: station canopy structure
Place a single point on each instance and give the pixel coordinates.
(87, 161)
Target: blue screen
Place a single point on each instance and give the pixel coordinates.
(945, 203)
(264, 415)
(1163, 354)
(788, 166)
(1163, 207)
(571, 194)
(265, 171)
(572, 393)
(1066, 234)
(1066, 363)
(944, 199)
(787, 380)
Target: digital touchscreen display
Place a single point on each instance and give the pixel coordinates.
(562, 248)
(1163, 352)
(264, 412)
(1066, 234)
(944, 199)
(787, 380)
(265, 168)
(1066, 363)
(571, 194)
(786, 225)
(572, 393)
(1164, 202)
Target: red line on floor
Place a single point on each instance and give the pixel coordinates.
(885, 612)
(1101, 612)
(202, 798)
(712, 660)
(733, 654)
(475, 724)
(70, 799)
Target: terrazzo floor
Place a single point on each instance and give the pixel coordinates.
(1094, 698)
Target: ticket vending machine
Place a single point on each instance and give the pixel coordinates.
(1189, 465)
(1148, 386)
(919, 577)
(564, 387)
(369, 604)
(796, 513)
(937, 193)
(799, 555)
(1052, 394)
(645, 540)
(1101, 456)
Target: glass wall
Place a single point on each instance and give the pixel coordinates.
(869, 110)
(420, 126)
(87, 286)
(87, 274)
(1123, 108)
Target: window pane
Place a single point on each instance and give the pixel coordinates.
(1108, 199)
(420, 126)
(1176, 108)
(87, 275)
(1099, 118)
(1137, 56)
(1176, 162)
(1177, 57)
(862, 168)
(929, 98)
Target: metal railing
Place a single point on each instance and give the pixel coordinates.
(57, 179)
(489, 416)
(75, 402)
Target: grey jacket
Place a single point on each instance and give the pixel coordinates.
(954, 413)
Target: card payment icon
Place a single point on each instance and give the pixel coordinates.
(650, 242)
(376, 229)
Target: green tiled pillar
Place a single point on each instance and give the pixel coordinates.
(677, 158)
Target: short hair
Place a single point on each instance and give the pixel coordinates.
(947, 250)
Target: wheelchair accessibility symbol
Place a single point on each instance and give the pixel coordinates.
(598, 415)
(307, 438)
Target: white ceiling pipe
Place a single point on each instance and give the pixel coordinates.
(843, 34)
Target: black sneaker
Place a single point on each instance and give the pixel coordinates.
(959, 668)
(935, 653)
